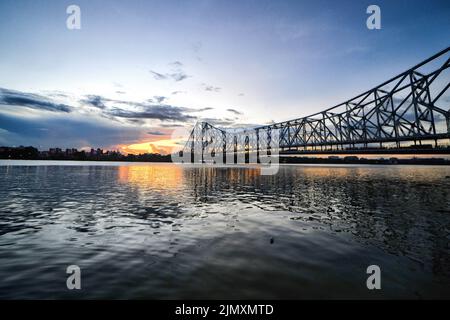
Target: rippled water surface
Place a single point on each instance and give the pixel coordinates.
(166, 231)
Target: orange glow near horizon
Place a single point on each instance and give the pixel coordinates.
(163, 146)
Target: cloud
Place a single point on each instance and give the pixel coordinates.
(211, 88)
(112, 109)
(228, 123)
(176, 64)
(156, 133)
(55, 94)
(94, 101)
(176, 74)
(219, 122)
(150, 109)
(172, 125)
(201, 110)
(243, 125)
(31, 100)
(120, 92)
(96, 121)
(159, 112)
(234, 111)
(136, 121)
(66, 133)
(177, 92)
(135, 112)
(158, 76)
(159, 99)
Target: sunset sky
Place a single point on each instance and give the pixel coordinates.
(136, 70)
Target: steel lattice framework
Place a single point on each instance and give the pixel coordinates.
(412, 106)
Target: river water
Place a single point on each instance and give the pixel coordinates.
(164, 231)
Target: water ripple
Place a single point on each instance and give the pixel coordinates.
(163, 231)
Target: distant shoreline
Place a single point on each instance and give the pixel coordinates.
(284, 160)
(357, 160)
(56, 154)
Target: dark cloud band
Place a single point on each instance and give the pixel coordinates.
(31, 100)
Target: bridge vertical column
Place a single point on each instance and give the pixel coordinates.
(364, 121)
(303, 133)
(377, 112)
(257, 145)
(235, 145)
(429, 106)
(447, 118)
(224, 147)
(395, 121)
(323, 133)
(349, 126)
(414, 102)
(246, 148)
(339, 128)
(203, 140)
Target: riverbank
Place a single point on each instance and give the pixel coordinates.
(283, 160)
(357, 160)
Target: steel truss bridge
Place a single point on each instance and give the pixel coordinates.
(412, 107)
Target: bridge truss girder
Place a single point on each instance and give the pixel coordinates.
(409, 107)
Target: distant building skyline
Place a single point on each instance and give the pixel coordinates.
(138, 69)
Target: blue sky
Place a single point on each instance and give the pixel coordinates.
(136, 69)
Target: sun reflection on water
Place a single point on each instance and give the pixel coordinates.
(159, 176)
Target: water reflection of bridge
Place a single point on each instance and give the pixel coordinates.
(413, 108)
